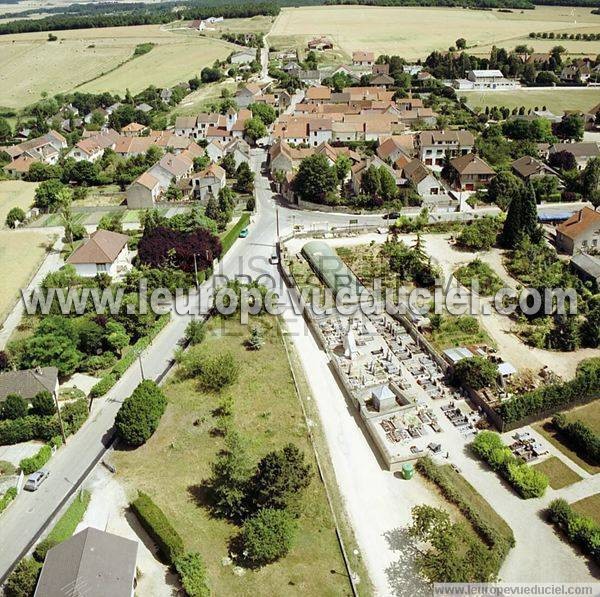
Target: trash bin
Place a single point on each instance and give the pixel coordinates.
(408, 470)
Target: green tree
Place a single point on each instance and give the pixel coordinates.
(15, 216)
(43, 404)
(370, 183)
(212, 210)
(5, 131)
(230, 475)
(590, 179)
(460, 43)
(49, 194)
(14, 407)
(254, 129)
(265, 112)
(268, 536)
(503, 188)
(475, 372)
(281, 476)
(316, 180)
(228, 164)
(23, 579)
(521, 219)
(244, 182)
(117, 338)
(570, 127)
(342, 167)
(387, 184)
(49, 350)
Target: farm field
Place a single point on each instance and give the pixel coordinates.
(391, 30)
(15, 193)
(555, 100)
(20, 255)
(31, 65)
(267, 414)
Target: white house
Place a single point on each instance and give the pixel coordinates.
(104, 252)
(243, 56)
(208, 182)
(485, 79)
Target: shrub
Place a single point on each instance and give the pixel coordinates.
(528, 482)
(268, 536)
(580, 438)
(14, 431)
(140, 414)
(582, 530)
(34, 463)
(7, 468)
(23, 579)
(74, 416)
(103, 386)
(213, 371)
(195, 332)
(7, 498)
(73, 515)
(192, 571)
(43, 547)
(98, 362)
(475, 372)
(228, 240)
(156, 524)
(14, 216)
(43, 404)
(14, 407)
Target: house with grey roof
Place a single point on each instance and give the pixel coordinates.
(91, 563)
(28, 383)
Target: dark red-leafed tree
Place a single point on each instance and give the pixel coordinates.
(162, 246)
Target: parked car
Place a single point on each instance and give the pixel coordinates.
(274, 260)
(36, 479)
(393, 215)
(244, 233)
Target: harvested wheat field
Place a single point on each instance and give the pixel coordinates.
(413, 32)
(32, 65)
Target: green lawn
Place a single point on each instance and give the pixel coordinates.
(555, 100)
(590, 415)
(457, 330)
(72, 516)
(558, 473)
(172, 466)
(589, 506)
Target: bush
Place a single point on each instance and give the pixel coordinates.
(35, 463)
(213, 371)
(7, 468)
(43, 547)
(527, 481)
(7, 498)
(140, 414)
(475, 372)
(156, 524)
(192, 571)
(579, 437)
(103, 386)
(195, 332)
(98, 362)
(15, 215)
(23, 579)
(15, 431)
(14, 407)
(582, 530)
(74, 416)
(68, 522)
(228, 240)
(268, 536)
(43, 404)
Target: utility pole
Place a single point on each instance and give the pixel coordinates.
(60, 421)
(141, 366)
(277, 220)
(196, 273)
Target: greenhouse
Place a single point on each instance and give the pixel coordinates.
(331, 270)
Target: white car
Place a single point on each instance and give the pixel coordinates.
(36, 479)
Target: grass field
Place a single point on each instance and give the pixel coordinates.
(589, 506)
(558, 473)
(415, 32)
(15, 193)
(197, 100)
(20, 255)
(555, 100)
(32, 65)
(590, 415)
(173, 464)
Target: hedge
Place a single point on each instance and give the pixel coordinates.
(231, 236)
(110, 379)
(72, 516)
(527, 481)
(548, 399)
(500, 544)
(35, 463)
(192, 571)
(140, 414)
(581, 438)
(7, 498)
(156, 524)
(580, 529)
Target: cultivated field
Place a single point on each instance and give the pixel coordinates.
(20, 255)
(15, 193)
(555, 100)
(415, 32)
(32, 65)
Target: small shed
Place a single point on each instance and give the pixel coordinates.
(383, 397)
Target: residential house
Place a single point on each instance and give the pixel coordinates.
(317, 94)
(425, 183)
(247, 94)
(208, 182)
(133, 129)
(28, 383)
(362, 58)
(528, 168)
(215, 150)
(19, 168)
(392, 148)
(91, 149)
(320, 43)
(434, 146)
(380, 69)
(580, 233)
(358, 169)
(587, 267)
(470, 172)
(243, 56)
(196, 127)
(485, 79)
(319, 130)
(93, 563)
(104, 252)
(240, 150)
(310, 77)
(576, 74)
(582, 152)
(45, 149)
(144, 191)
(381, 80)
(284, 158)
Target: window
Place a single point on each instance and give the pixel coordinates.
(101, 267)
